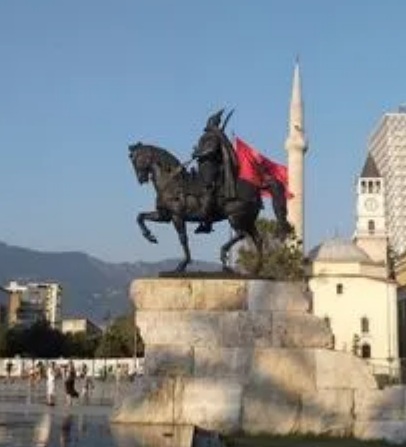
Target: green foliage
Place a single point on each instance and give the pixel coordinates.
(80, 345)
(281, 261)
(242, 440)
(392, 258)
(39, 340)
(3, 341)
(118, 339)
(139, 343)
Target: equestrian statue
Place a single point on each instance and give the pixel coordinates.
(212, 194)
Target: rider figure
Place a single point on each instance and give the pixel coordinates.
(218, 166)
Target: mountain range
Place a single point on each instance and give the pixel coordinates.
(92, 288)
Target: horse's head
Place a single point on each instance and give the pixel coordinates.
(141, 158)
(152, 162)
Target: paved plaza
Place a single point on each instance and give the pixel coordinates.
(21, 394)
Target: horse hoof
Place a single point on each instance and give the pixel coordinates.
(151, 238)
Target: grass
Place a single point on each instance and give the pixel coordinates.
(298, 441)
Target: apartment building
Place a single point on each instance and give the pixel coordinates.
(32, 302)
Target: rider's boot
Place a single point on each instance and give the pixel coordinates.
(204, 227)
(207, 209)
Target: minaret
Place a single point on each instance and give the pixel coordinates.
(296, 146)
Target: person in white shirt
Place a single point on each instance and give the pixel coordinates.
(51, 377)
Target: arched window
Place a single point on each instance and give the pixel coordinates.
(366, 351)
(371, 226)
(339, 289)
(364, 325)
(327, 320)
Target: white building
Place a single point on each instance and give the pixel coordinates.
(352, 293)
(80, 325)
(350, 284)
(33, 302)
(387, 144)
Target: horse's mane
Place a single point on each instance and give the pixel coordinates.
(166, 158)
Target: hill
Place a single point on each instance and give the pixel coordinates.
(91, 287)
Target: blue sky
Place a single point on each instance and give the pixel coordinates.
(81, 80)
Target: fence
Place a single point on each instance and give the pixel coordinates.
(96, 368)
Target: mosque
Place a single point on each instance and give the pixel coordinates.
(352, 282)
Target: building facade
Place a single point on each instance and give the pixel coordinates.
(33, 302)
(353, 295)
(351, 286)
(387, 145)
(80, 325)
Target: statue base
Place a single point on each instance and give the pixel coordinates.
(240, 354)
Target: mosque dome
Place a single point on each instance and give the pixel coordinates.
(338, 250)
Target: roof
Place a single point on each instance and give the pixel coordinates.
(370, 170)
(338, 250)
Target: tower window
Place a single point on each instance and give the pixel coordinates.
(366, 351)
(339, 289)
(363, 187)
(327, 320)
(371, 226)
(370, 187)
(364, 325)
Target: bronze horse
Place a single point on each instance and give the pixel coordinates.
(178, 201)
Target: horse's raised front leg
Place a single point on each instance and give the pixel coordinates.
(180, 227)
(153, 216)
(226, 248)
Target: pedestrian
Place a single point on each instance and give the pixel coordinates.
(87, 384)
(70, 391)
(83, 371)
(9, 369)
(51, 377)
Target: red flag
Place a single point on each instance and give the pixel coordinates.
(255, 167)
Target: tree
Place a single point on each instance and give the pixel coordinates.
(118, 339)
(281, 261)
(81, 345)
(3, 341)
(393, 259)
(39, 340)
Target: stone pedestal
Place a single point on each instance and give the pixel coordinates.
(238, 354)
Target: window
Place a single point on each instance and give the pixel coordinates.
(364, 325)
(327, 320)
(366, 351)
(339, 289)
(371, 226)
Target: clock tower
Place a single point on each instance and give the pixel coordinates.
(371, 232)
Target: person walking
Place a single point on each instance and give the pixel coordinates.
(87, 384)
(70, 391)
(51, 377)
(9, 370)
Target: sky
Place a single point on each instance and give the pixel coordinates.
(82, 80)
